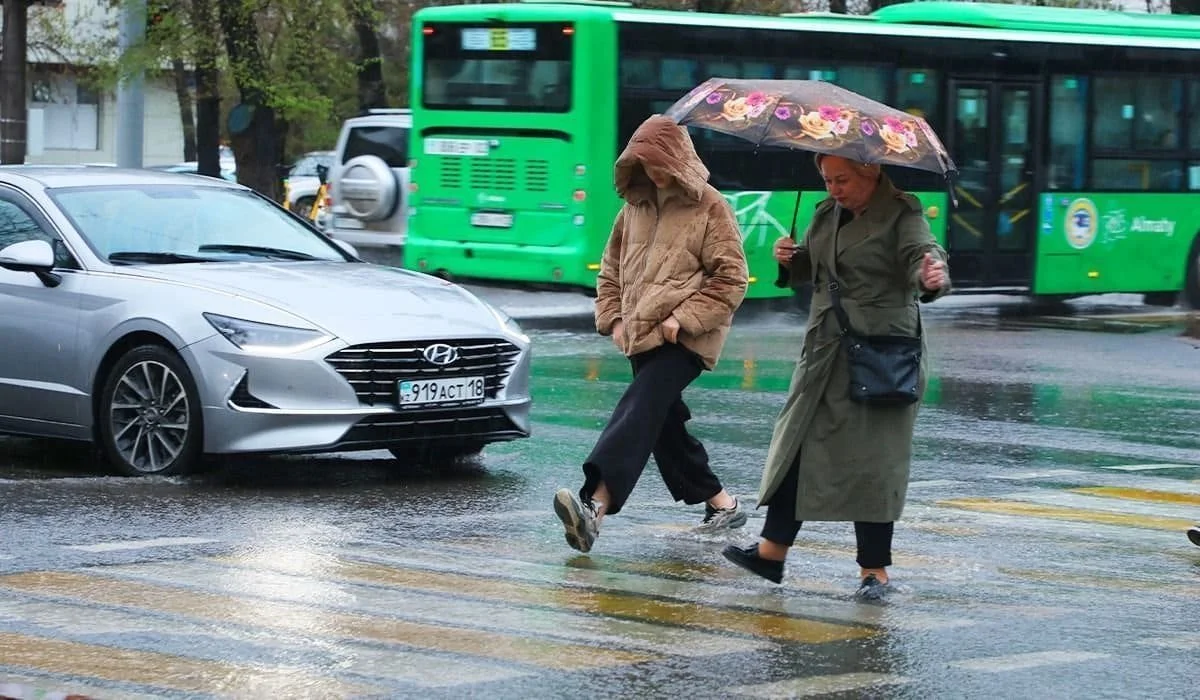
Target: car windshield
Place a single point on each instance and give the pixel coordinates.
(307, 166)
(210, 223)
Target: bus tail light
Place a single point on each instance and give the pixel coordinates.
(579, 195)
(568, 31)
(578, 220)
(427, 31)
(580, 170)
(412, 187)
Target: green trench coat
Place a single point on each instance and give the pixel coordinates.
(853, 459)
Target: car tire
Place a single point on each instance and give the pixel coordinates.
(150, 422)
(435, 455)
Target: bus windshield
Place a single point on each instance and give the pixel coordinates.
(511, 68)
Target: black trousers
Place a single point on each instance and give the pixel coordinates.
(650, 419)
(781, 526)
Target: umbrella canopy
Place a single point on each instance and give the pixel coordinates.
(813, 115)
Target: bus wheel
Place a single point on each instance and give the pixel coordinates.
(1160, 298)
(1191, 280)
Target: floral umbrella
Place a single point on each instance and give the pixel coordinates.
(813, 115)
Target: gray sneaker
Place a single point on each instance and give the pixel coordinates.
(722, 518)
(578, 518)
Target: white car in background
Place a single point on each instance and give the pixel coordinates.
(369, 182)
(303, 180)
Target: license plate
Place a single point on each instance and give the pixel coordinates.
(456, 147)
(427, 392)
(489, 219)
(343, 222)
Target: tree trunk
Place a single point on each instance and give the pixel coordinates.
(208, 93)
(258, 147)
(187, 117)
(1185, 7)
(14, 112)
(873, 5)
(371, 89)
(838, 6)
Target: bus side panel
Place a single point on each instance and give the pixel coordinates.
(1114, 242)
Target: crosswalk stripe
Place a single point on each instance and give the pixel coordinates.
(441, 609)
(1001, 507)
(159, 670)
(1017, 662)
(625, 604)
(298, 618)
(1192, 499)
(1184, 641)
(15, 685)
(422, 669)
(702, 582)
(139, 544)
(819, 685)
(1096, 580)
(1150, 467)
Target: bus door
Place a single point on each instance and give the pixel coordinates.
(991, 234)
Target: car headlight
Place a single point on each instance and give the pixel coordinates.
(255, 337)
(507, 322)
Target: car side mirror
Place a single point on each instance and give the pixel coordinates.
(346, 247)
(31, 256)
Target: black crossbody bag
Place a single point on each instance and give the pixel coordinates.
(885, 370)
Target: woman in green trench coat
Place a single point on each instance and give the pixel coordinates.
(832, 459)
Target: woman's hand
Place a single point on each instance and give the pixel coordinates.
(670, 329)
(618, 334)
(785, 248)
(933, 273)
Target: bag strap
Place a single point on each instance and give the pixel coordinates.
(834, 286)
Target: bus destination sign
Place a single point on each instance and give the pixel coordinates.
(499, 39)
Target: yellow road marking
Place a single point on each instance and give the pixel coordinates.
(987, 505)
(612, 604)
(1093, 580)
(168, 671)
(307, 621)
(1192, 499)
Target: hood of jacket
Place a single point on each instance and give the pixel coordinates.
(659, 142)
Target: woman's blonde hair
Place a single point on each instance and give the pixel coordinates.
(870, 170)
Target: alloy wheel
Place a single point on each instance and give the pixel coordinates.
(151, 416)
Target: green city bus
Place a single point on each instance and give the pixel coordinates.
(1076, 134)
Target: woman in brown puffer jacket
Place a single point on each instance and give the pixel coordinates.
(672, 275)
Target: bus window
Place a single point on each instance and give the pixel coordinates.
(1194, 115)
(1194, 176)
(498, 67)
(638, 72)
(1139, 113)
(678, 74)
(868, 81)
(1137, 175)
(917, 94)
(1068, 150)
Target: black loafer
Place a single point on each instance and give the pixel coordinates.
(872, 588)
(748, 559)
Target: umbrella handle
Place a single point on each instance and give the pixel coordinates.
(784, 276)
(950, 191)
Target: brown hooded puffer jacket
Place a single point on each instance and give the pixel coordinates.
(676, 252)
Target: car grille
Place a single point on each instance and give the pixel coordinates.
(376, 431)
(374, 369)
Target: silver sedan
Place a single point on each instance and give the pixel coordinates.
(168, 316)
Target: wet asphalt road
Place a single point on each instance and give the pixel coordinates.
(1042, 552)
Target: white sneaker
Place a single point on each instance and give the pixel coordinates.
(578, 518)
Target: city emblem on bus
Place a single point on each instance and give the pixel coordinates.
(1080, 223)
